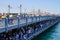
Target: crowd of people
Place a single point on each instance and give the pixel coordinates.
(25, 32)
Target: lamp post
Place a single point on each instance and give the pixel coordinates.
(9, 8)
(20, 9)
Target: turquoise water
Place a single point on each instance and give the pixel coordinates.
(52, 33)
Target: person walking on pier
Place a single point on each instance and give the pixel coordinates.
(20, 35)
(2, 37)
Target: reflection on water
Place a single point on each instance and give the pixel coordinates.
(52, 33)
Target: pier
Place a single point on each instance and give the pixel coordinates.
(25, 28)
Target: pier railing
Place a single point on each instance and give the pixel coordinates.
(5, 25)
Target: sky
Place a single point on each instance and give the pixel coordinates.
(52, 6)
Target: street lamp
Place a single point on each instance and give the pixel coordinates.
(9, 8)
(20, 9)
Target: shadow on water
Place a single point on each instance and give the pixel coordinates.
(49, 34)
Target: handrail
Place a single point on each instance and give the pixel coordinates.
(34, 19)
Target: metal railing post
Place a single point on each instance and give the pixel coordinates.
(6, 24)
(32, 20)
(18, 21)
(26, 20)
(39, 18)
(36, 18)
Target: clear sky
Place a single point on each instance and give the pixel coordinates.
(46, 5)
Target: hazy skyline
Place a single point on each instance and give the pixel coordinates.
(45, 5)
